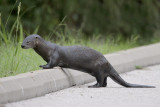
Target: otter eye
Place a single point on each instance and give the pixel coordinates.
(28, 41)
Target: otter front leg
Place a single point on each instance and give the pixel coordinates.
(101, 81)
(53, 61)
(47, 66)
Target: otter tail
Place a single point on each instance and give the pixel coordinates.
(116, 77)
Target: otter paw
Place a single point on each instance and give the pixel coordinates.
(46, 67)
(94, 86)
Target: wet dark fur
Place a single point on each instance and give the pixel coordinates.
(78, 58)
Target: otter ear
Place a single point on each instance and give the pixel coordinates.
(36, 40)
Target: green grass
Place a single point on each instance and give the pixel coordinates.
(138, 67)
(15, 60)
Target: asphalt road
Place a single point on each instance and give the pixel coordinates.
(112, 96)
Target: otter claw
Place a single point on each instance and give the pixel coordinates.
(44, 66)
(41, 66)
(94, 86)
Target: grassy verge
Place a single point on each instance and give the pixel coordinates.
(15, 60)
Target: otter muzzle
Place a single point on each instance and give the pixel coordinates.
(22, 46)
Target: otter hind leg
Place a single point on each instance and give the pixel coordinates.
(101, 81)
(105, 82)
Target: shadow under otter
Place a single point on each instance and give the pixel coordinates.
(76, 57)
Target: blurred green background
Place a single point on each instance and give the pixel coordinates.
(104, 25)
(125, 17)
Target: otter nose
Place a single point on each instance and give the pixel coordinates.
(22, 46)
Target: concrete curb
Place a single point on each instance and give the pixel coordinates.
(38, 83)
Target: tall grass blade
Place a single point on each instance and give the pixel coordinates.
(10, 13)
(36, 30)
(21, 34)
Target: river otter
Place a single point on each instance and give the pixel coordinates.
(76, 57)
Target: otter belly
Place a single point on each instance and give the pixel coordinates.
(75, 67)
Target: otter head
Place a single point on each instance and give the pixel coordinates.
(30, 41)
